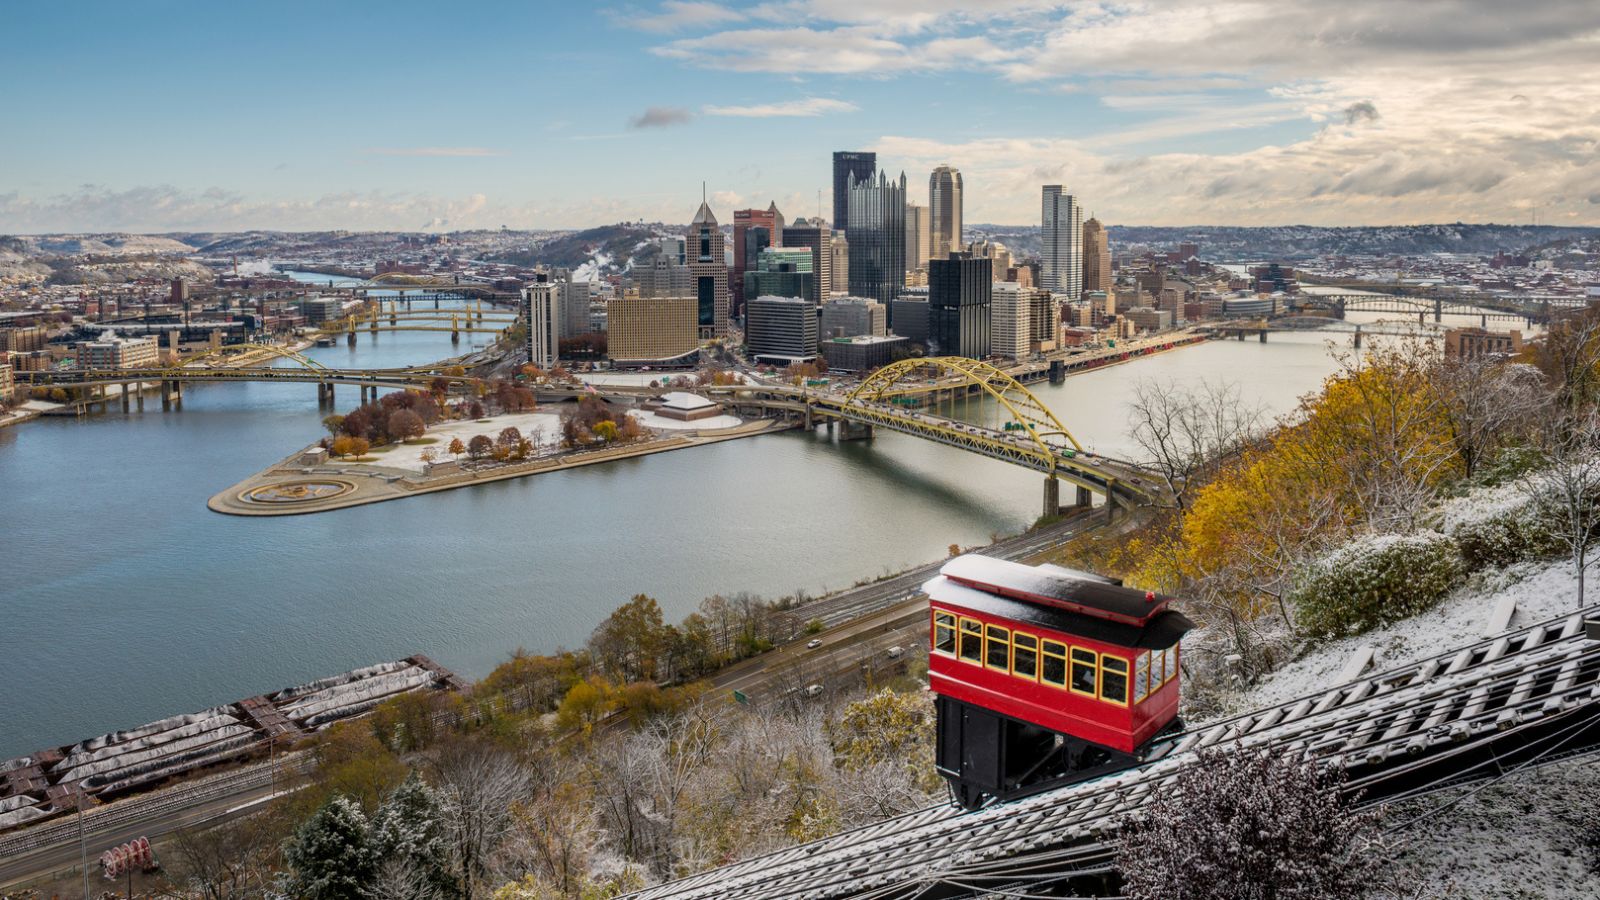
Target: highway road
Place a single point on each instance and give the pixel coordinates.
(861, 625)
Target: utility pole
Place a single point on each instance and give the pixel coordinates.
(83, 845)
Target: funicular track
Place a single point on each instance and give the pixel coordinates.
(1518, 700)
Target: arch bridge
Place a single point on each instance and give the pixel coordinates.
(1033, 437)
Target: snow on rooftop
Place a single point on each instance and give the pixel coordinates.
(684, 400)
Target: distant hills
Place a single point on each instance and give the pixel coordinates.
(1229, 243)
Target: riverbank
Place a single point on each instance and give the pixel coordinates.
(290, 488)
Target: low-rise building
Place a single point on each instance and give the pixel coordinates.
(1469, 343)
(781, 329)
(864, 351)
(850, 316)
(685, 407)
(1146, 318)
(24, 338)
(8, 384)
(112, 351)
(652, 330)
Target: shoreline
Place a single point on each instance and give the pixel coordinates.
(361, 485)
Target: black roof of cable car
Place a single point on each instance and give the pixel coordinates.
(1098, 594)
(1163, 630)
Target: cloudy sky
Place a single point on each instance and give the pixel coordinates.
(172, 115)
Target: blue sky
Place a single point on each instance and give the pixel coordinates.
(160, 116)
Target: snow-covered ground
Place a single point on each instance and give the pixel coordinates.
(1518, 838)
(1542, 590)
(542, 428)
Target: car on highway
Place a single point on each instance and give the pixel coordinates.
(814, 643)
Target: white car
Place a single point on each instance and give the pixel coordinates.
(813, 689)
(814, 643)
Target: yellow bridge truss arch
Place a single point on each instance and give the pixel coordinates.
(934, 373)
(223, 353)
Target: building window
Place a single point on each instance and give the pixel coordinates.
(1141, 676)
(999, 655)
(971, 641)
(1024, 656)
(1054, 667)
(1114, 679)
(706, 293)
(1084, 664)
(944, 633)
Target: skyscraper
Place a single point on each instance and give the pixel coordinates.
(708, 273)
(840, 250)
(1010, 320)
(877, 233)
(944, 212)
(539, 309)
(1096, 257)
(754, 230)
(916, 237)
(816, 236)
(959, 294)
(1061, 239)
(848, 165)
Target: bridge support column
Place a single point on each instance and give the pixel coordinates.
(1356, 338)
(1084, 498)
(125, 400)
(1239, 334)
(166, 397)
(1263, 335)
(138, 395)
(854, 431)
(351, 339)
(1052, 496)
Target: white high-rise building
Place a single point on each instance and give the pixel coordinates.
(539, 308)
(1010, 327)
(944, 212)
(1061, 238)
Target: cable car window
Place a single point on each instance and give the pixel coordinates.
(999, 655)
(1053, 670)
(1141, 677)
(1083, 671)
(1114, 679)
(1024, 656)
(1172, 662)
(944, 633)
(971, 641)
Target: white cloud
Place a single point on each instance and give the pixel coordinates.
(810, 106)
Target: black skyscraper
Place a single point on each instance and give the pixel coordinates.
(959, 293)
(860, 164)
(876, 228)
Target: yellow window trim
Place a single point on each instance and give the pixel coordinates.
(987, 637)
(1066, 671)
(1093, 663)
(977, 631)
(955, 634)
(1034, 650)
(1127, 686)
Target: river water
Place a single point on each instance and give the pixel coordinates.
(124, 599)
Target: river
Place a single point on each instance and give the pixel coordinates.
(125, 599)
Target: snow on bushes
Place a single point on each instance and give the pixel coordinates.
(1374, 580)
(1497, 526)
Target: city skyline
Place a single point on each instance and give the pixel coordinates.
(201, 118)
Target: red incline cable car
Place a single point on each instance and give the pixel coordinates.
(1045, 675)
